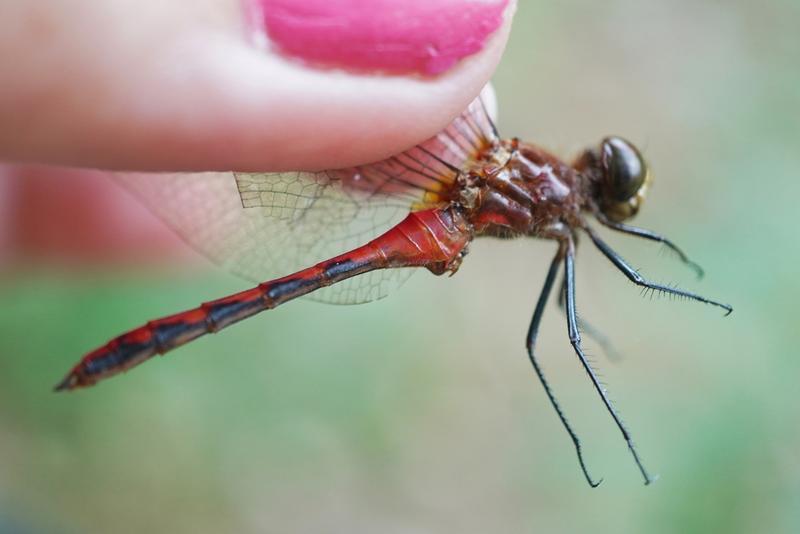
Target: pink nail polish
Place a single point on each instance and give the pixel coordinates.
(395, 36)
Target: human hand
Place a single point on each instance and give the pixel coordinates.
(232, 85)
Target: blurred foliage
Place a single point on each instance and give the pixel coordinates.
(419, 413)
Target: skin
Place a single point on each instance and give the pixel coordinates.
(122, 84)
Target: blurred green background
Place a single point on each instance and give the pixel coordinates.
(420, 413)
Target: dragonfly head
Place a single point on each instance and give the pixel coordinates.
(620, 177)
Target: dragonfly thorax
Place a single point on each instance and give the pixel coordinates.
(531, 192)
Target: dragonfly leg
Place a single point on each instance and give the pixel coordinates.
(652, 236)
(634, 276)
(600, 338)
(533, 332)
(575, 340)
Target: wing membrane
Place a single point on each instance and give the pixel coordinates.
(266, 225)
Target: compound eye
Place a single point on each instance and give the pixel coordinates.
(625, 169)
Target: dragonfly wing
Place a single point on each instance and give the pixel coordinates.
(266, 225)
(270, 241)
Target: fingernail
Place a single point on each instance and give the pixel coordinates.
(396, 36)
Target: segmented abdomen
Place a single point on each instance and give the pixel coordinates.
(430, 238)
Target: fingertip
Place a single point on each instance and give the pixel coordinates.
(185, 93)
(263, 111)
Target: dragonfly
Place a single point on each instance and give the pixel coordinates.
(364, 230)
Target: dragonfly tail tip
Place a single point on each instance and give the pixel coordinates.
(67, 384)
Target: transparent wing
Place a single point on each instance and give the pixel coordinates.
(266, 225)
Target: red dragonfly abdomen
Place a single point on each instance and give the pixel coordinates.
(432, 238)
